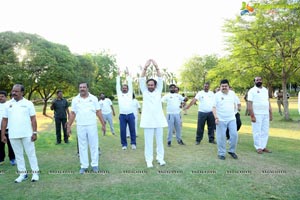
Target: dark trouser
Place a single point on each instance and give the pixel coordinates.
(130, 120)
(61, 122)
(238, 125)
(11, 153)
(202, 118)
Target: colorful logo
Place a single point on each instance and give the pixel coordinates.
(246, 9)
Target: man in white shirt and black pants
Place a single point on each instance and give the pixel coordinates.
(224, 113)
(205, 98)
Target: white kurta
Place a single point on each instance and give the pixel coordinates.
(152, 113)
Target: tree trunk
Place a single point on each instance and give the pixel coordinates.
(45, 107)
(285, 100)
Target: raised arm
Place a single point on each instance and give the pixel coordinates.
(156, 67)
(148, 63)
(118, 85)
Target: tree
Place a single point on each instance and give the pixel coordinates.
(106, 72)
(268, 42)
(195, 70)
(41, 66)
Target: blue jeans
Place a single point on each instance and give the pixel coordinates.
(130, 120)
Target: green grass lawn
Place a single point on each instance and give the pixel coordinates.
(192, 172)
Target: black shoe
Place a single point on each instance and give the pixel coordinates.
(221, 157)
(67, 142)
(180, 142)
(197, 143)
(169, 143)
(212, 142)
(58, 143)
(233, 155)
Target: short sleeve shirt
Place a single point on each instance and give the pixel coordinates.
(60, 106)
(105, 106)
(260, 100)
(205, 101)
(19, 115)
(225, 105)
(85, 109)
(173, 101)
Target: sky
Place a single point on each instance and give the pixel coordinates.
(168, 31)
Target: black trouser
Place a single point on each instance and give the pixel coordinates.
(11, 153)
(61, 122)
(202, 118)
(238, 125)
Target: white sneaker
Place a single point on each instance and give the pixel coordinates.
(35, 177)
(21, 178)
(124, 148)
(161, 163)
(133, 147)
(149, 165)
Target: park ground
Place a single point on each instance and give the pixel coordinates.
(192, 172)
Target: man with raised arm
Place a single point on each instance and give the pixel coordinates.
(152, 118)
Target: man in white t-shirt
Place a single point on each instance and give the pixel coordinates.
(85, 108)
(205, 98)
(108, 111)
(174, 101)
(20, 118)
(261, 114)
(152, 119)
(224, 114)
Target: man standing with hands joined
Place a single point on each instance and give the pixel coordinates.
(85, 108)
(152, 118)
(261, 114)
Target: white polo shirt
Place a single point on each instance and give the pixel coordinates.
(260, 100)
(225, 105)
(2, 110)
(206, 100)
(18, 114)
(173, 101)
(85, 109)
(105, 106)
(125, 99)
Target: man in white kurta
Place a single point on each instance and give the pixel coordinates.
(85, 108)
(261, 114)
(152, 118)
(20, 118)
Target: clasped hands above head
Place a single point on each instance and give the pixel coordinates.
(149, 62)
